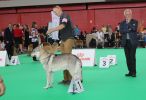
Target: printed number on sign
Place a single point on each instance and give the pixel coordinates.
(75, 87)
(111, 61)
(13, 61)
(79, 85)
(104, 63)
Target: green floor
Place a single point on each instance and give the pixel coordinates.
(26, 81)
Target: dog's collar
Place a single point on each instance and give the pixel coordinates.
(49, 58)
(45, 57)
(41, 54)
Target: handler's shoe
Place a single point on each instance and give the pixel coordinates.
(132, 75)
(128, 74)
(62, 82)
(67, 82)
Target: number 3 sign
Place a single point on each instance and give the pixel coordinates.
(104, 62)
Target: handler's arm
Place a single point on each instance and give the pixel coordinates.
(60, 27)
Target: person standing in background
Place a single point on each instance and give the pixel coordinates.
(18, 38)
(9, 40)
(76, 31)
(35, 35)
(128, 31)
(26, 35)
(66, 34)
(2, 44)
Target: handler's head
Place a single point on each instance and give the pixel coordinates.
(128, 13)
(57, 10)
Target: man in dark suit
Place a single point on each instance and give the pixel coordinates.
(128, 30)
(8, 38)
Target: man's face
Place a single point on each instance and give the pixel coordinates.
(36, 26)
(14, 26)
(128, 14)
(10, 26)
(57, 11)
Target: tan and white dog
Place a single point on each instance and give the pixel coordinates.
(52, 62)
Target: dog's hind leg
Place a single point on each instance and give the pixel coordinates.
(49, 80)
(78, 71)
(76, 79)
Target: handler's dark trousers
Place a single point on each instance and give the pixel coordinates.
(130, 53)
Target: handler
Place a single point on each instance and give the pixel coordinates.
(65, 29)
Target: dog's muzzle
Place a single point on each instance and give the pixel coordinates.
(34, 58)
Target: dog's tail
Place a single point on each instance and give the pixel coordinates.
(79, 64)
(78, 59)
(81, 70)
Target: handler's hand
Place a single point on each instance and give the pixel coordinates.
(49, 31)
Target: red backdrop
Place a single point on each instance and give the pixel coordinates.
(85, 16)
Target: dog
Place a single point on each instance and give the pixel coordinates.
(52, 62)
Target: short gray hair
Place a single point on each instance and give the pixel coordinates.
(127, 10)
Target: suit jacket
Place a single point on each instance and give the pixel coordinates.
(8, 36)
(131, 29)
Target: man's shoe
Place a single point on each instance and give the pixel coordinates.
(133, 75)
(67, 82)
(62, 82)
(128, 74)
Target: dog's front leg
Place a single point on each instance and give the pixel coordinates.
(49, 80)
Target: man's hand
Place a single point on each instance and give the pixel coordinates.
(49, 31)
(60, 27)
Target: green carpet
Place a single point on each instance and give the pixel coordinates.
(26, 81)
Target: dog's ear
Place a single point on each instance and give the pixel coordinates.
(46, 44)
(61, 47)
(48, 48)
(55, 45)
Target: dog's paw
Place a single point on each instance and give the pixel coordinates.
(46, 87)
